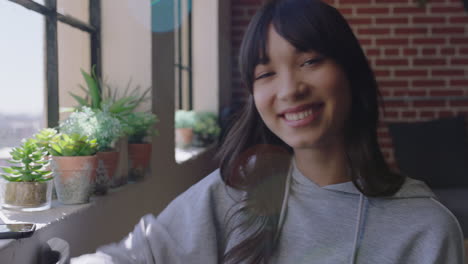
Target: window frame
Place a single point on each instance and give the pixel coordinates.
(49, 11)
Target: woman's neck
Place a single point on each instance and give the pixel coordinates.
(323, 166)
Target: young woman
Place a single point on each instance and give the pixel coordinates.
(302, 178)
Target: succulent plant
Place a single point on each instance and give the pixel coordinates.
(28, 164)
(73, 145)
(138, 125)
(45, 137)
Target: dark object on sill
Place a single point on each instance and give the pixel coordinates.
(55, 251)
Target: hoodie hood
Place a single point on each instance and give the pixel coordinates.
(411, 188)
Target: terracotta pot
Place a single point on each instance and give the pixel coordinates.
(139, 156)
(121, 174)
(105, 173)
(183, 137)
(26, 196)
(73, 178)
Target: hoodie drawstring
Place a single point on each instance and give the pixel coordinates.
(357, 238)
(285, 203)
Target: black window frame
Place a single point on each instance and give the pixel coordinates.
(49, 11)
(184, 103)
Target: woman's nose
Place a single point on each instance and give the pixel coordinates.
(291, 87)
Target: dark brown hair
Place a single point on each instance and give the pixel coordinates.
(256, 160)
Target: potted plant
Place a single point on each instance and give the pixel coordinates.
(106, 129)
(43, 139)
(99, 94)
(184, 121)
(205, 129)
(73, 161)
(27, 185)
(139, 126)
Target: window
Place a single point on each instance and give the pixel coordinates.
(183, 54)
(48, 42)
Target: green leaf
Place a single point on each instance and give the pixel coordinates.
(81, 101)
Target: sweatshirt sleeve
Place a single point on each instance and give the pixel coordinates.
(185, 232)
(447, 243)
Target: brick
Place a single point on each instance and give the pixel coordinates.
(429, 62)
(461, 20)
(446, 93)
(455, 61)
(392, 41)
(452, 72)
(448, 30)
(429, 103)
(410, 93)
(429, 20)
(392, 52)
(407, 73)
(429, 51)
(463, 51)
(359, 21)
(428, 41)
(458, 103)
(456, 41)
(428, 83)
(411, 30)
(459, 83)
(347, 2)
(408, 114)
(447, 51)
(382, 73)
(372, 10)
(374, 31)
(444, 114)
(391, 20)
(391, 62)
(427, 114)
(372, 52)
(395, 104)
(446, 9)
(408, 10)
(409, 52)
(393, 83)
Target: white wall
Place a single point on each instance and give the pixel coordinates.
(205, 55)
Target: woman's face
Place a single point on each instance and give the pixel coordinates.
(303, 97)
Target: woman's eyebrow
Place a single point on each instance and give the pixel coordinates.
(263, 61)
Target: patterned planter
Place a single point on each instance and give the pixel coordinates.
(73, 178)
(106, 168)
(139, 156)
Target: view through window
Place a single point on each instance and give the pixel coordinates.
(22, 103)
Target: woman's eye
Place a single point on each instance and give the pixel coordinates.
(312, 61)
(264, 75)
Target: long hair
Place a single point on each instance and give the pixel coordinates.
(255, 160)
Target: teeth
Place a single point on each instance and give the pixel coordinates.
(298, 116)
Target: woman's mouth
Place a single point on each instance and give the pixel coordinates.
(303, 117)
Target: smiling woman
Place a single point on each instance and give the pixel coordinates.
(301, 178)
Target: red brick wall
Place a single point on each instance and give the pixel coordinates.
(419, 55)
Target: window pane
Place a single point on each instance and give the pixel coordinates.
(77, 9)
(22, 78)
(74, 53)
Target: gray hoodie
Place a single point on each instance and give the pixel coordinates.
(333, 224)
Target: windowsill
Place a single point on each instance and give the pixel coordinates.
(184, 154)
(60, 212)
